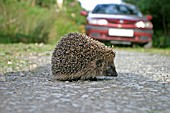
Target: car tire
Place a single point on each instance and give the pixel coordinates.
(147, 45)
(107, 43)
(134, 45)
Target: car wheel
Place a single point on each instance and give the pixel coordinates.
(135, 45)
(147, 45)
(107, 43)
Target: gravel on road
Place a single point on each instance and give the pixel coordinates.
(143, 86)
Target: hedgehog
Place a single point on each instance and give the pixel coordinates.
(79, 57)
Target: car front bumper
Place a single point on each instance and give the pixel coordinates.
(102, 33)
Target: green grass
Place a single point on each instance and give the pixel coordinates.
(22, 23)
(20, 48)
(13, 57)
(19, 22)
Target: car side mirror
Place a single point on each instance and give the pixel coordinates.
(84, 13)
(149, 17)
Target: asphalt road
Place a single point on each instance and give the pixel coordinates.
(143, 86)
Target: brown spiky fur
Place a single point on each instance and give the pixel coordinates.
(78, 56)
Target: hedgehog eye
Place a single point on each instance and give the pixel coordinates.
(99, 63)
(113, 53)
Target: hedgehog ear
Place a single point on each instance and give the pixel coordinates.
(113, 52)
(99, 63)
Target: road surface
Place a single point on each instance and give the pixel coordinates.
(143, 86)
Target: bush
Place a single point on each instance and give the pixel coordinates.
(63, 26)
(73, 8)
(21, 23)
(160, 40)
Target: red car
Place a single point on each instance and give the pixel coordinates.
(119, 23)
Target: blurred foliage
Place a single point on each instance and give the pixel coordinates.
(45, 3)
(21, 23)
(31, 21)
(160, 10)
(41, 3)
(73, 8)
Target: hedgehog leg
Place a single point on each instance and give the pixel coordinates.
(74, 79)
(92, 79)
(61, 77)
(87, 74)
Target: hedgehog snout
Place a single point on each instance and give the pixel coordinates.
(111, 71)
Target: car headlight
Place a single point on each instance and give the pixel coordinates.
(142, 24)
(98, 21)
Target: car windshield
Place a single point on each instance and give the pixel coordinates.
(119, 9)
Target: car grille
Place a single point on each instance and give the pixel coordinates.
(144, 38)
(119, 22)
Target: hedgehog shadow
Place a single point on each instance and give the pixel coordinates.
(45, 72)
(97, 79)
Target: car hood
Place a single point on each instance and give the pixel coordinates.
(117, 17)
